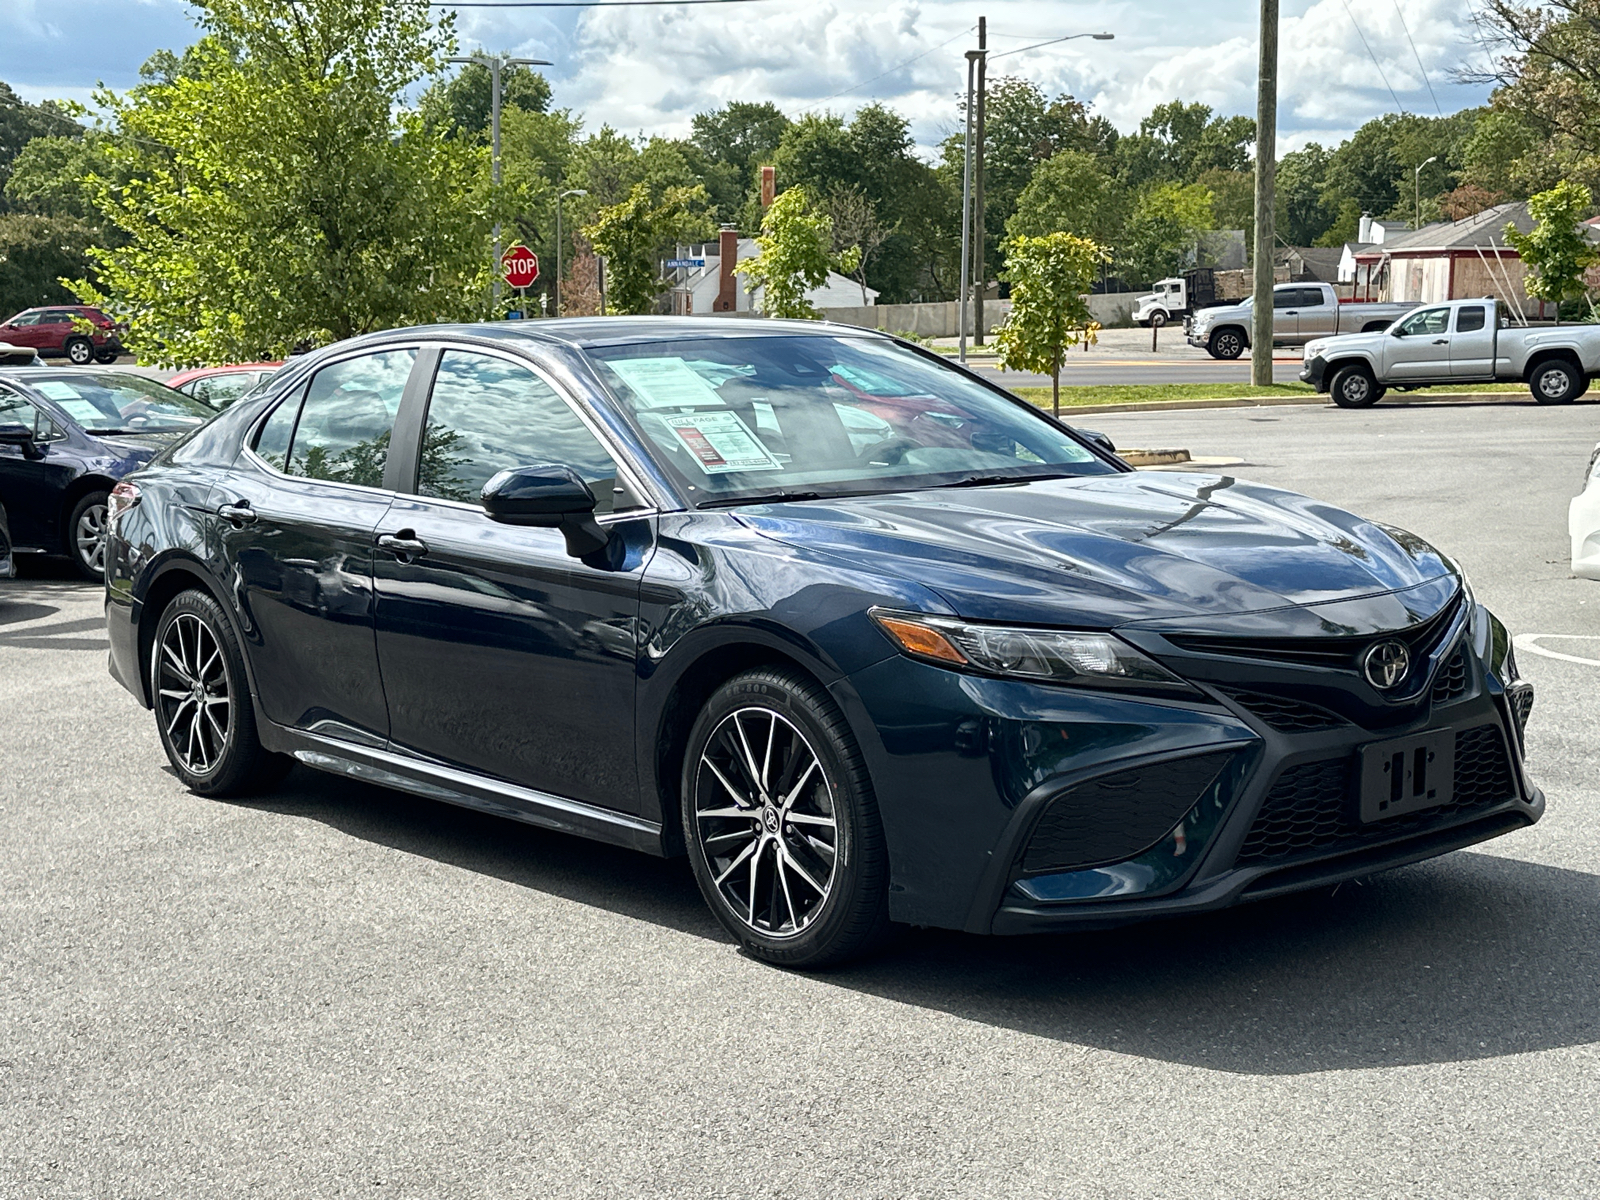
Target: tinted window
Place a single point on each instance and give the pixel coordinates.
(348, 415)
(746, 415)
(1468, 319)
(110, 401)
(56, 317)
(486, 415)
(1429, 320)
(272, 439)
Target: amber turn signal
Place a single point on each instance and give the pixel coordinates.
(919, 639)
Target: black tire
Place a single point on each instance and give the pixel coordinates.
(1556, 381)
(774, 880)
(214, 755)
(106, 357)
(79, 351)
(1157, 319)
(86, 536)
(1354, 387)
(1226, 343)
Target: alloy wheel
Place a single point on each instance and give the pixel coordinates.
(194, 693)
(90, 537)
(766, 820)
(80, 353)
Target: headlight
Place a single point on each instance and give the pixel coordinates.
(1050, 655)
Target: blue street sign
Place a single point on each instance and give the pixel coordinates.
(686, 262)
(514, 315)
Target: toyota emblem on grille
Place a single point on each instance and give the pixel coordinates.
(1386, 664)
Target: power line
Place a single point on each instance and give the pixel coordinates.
(1371, 55)
(1418, 57)
(574, 3)
(863, 83)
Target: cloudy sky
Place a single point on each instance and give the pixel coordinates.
(650, 69)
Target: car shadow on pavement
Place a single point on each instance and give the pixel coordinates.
(1466, 957)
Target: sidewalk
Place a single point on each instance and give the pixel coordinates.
(1131, 345)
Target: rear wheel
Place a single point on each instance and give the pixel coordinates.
(105, 357)
(1354, 387)
(79, 351)
(86, 536)
(781, 823)
(1226, 343)
(1157, 319)
(204, 715)
(1556, 381)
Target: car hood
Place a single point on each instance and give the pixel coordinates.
(1344, 343)
(1106, 550)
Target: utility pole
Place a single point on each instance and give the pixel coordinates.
(495, 62)
(1416, 184)
(1266, 178)
(978, 230)
(966, 218)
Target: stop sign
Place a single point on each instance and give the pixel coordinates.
(521, 266)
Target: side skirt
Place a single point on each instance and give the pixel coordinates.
(435, 781)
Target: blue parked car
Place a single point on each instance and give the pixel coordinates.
(867, 638)
(66, 438)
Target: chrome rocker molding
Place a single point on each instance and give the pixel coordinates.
(435, 781)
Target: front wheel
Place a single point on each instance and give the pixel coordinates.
(1226, 343)
(1354, 387)
(1556, 382)
(204, 715)
(781, 822)
(86, 531)
(80, 351)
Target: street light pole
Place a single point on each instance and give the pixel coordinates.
(1416, 185)
(979, 232)
(559, 195)
(495, 62)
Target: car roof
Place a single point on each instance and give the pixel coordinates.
(583, 332)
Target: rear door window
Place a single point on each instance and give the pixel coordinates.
(1469, 319)
(341, 430)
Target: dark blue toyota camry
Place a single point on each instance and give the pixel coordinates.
(868, 639)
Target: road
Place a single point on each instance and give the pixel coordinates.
(1124, 356)
(340, 990)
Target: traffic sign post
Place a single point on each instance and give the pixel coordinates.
(520, 266)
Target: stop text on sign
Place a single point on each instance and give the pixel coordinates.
(520, 266)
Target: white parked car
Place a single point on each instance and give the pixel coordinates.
(1583, 522)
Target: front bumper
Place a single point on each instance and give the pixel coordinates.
(972, 773)
(1314, 371)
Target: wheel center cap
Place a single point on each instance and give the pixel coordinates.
(770, 820)
(199, 693)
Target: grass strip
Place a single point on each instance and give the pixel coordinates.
(1088, 395)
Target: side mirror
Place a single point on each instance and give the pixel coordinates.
(548, 496)
(17, 434)
(1397, 332)
(1098, 438)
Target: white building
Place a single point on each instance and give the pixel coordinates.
(715, 288)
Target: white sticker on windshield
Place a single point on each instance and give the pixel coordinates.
(57, 390)
(665, 382)
(81, 411)
(721, 442)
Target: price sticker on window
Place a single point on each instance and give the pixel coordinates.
(721, 443)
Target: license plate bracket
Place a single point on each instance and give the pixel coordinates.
(1408, 774)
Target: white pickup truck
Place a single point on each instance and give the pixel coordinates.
(1300, 312)
(1463, 341)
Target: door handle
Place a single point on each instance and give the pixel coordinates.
(1441, 341)
(404, 545)
(238, 513)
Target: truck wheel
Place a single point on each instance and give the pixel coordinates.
(1157, 319)
(1354, 387)
(1226, 343)
(1556, 381)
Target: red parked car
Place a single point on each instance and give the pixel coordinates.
(221, 386)
(80, 333)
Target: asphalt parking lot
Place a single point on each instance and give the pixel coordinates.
(337, 990)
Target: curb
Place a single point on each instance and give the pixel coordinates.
(1280, 401)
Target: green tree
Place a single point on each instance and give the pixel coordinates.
(21, 123)
(61, 176)
(1162, 228)
(1303, 214)
(1050, 277)
(1233, 200)
(631, 235)
(465, 102)
(1070, 192)
(35, 254)
(1178, 142)
(795, 244)
(1556, 252)
(276, 190)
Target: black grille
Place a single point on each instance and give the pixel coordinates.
(1521, 700)
(1281, 713)
(1311, 807)
(1451, 683)
(1116, 816)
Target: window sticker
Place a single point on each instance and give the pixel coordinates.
(721, 442)
(56, 389)
(665, 383)
(81, 411)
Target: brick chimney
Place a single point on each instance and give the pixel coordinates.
(727, 257)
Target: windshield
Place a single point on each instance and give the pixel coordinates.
(743, 418)
(113, 402)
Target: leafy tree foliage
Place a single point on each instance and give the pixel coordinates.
(21, 122)
(740, 135)
(1556, 252)
(274, 193)
(1070, 192)
(1162, 226)
(1049, 311)
(465, 102)
(37, 252)
(1177, 142)
(631, 235)
(796, 254)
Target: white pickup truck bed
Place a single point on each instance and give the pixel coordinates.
(1462, 341)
